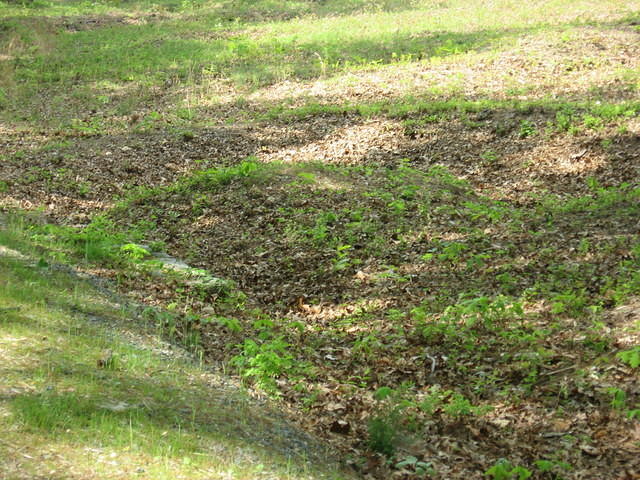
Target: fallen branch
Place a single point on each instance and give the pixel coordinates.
(433, 362)
(555, 372)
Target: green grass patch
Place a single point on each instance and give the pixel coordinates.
(156, 415)
(79, 64)
(416, 112)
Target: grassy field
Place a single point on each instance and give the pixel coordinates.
(413, 224)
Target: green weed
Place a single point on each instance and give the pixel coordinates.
(631, 357)
(504, 470)
(527, 129)
(417, 467)
(264, 361)
(342, 259)
(385, 429)
(555, 467)
(618, 398)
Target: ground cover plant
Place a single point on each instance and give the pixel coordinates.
(413, 224)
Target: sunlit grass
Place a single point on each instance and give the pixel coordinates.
(138, 413)
(208, 42)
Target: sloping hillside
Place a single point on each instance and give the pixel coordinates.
(413, 225)
(89, 391)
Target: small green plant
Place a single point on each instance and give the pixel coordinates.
(450, 403)
(149, 122)
(478, 211)
(264, 362)
(134, 252)
(187, 135)
(631, 357)
(618, 398)
(385, 428)
(460, 406)
(398, 206)
(342, 260)
(489, 157)
(606, 143)
(507, 281)
(321, 230)
(366, 345)
(569, 303)
(459, 323)
(504, 470)
(307, 178)
(592, 122)
(503, 128)
(89, 127)
(214, 178)
(185, 113)
(432, 402)
(527, 129)
(417, 467)
(96, 242)
(564, 121)
(383, 434)
(231, 324)
(452, 251)
(83, 189)
(166, 322)
(554, 467)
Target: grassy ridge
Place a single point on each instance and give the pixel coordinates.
(80, 399)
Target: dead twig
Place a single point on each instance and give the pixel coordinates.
(433, 362)
(562, 370)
